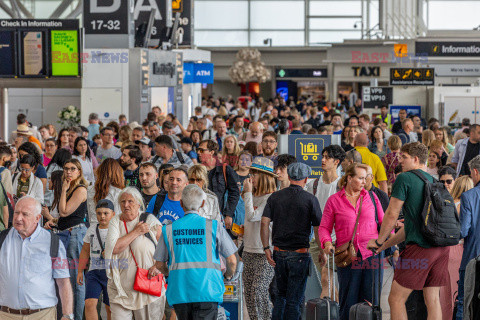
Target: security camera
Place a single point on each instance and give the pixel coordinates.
(355, 25)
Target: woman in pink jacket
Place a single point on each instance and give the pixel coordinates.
(340, 213)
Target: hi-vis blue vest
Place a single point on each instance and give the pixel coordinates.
(194, 263)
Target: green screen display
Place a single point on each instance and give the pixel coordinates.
(65, 58)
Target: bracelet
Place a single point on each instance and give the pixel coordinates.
(266, 248)
(378, 244)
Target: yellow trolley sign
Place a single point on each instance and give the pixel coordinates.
(308, 149)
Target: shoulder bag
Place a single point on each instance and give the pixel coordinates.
(345, 254)
(142, 284)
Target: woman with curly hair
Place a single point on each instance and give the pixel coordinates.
(109, 183)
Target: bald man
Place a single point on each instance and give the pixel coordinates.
(254, 133)
(371, 159)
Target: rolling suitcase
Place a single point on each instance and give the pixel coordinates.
(326, 308)
(365, 311)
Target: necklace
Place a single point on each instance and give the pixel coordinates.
(352, 195)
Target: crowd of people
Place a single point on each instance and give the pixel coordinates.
(93, 214)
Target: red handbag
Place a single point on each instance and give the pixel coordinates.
(142, 284)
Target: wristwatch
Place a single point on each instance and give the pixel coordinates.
(266, 248)
(68, 316)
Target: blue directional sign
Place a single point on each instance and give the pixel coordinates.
(197, 72)
(308, 149)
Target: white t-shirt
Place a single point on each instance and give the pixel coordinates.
(324, 191)
(96, 260)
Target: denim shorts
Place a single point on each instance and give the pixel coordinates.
(96, 282)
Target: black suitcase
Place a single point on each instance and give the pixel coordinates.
(326, 308)
(365, 311)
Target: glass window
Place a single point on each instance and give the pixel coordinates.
(335, 8)
(277, 15)
(279, 38)
(221, 14)
(326, 23)
(221, 38)
(43, 9)
(449, 15)
(321, 37)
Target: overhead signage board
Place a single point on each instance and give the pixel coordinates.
(448, 48)
(8, 54)
(185, 24)
(106, 16)
(412, 76)
(456, 70)
(198, 72)
(375, 97)
(302, 73)
(308, 149)
(64, 53)
(39, 23)
(33, 53)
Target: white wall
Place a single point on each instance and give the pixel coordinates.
(411, 96)
(222, 88)
(448, 95)
(40, 105)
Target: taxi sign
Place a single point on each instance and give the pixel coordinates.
(308, 149)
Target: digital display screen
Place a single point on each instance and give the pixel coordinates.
(33, 54)
(7, 53)
(65, 57)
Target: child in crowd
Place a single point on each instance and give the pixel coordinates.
(97, 140)
(433, 164)
(187, 147)
(93, 249)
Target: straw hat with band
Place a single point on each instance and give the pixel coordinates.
(264, 165)
(23, 129)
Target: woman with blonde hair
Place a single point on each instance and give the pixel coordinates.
(427, 137)
(349, 211)
(124, 137)
(198, 175)
(447, 299)
(257, 273)
(231, 151)
(442, 135)
(109, 182)
(222, 112)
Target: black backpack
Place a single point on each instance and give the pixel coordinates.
(54, 242)
(440, 221)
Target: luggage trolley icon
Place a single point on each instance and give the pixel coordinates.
(309, 149)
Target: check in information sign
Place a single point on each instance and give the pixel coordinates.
(308, 149)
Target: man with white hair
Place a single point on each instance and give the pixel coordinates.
(27, 271)
(191, 247)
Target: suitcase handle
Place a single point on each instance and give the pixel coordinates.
(379, 279)
(329, 281)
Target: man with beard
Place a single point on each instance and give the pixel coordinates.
(221, 178)
(167, 207)
(130, 160)
(269, 145)
(148, 176)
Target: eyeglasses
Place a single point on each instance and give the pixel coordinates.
(269, 141)
(69, 169)
(193, 180)
(448, 181)
(25, 170)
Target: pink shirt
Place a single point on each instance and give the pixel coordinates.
(341, 215)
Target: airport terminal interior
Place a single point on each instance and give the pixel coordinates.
(316, 159)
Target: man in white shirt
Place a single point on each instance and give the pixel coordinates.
(322, 188)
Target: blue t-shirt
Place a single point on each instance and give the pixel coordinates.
(192, 154)
(169, 212)
(41, 173)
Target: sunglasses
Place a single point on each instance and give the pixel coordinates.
(448, 181)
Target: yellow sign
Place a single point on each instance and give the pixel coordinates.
(229, 290)
(401, 50)
(177, 5)
(309, 149)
